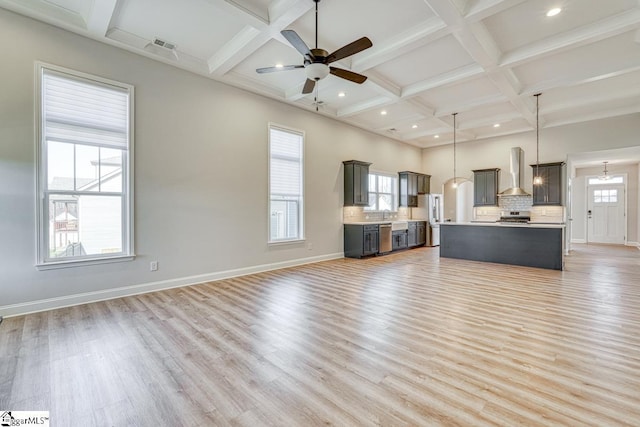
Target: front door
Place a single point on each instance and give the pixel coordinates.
(606, 214)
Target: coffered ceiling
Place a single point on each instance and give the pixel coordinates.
(483, 59)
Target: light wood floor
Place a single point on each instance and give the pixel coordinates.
(406, 339)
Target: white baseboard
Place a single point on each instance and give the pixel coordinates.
(634, 244)
(88, 297)
(578, 241)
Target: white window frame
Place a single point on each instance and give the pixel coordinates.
(394, 191)
(301, 199)
(44, 261)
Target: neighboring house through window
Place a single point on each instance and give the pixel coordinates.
(84, 168)
(286, 201)
(383, 192)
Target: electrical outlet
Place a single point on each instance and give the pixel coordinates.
(153, 266)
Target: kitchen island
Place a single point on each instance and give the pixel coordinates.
(531, 245)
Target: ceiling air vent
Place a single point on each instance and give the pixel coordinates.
(164, 44)
(162, 48)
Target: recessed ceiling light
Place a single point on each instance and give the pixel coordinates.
(414, 127)
(554, 11)
(342, 94)
(436, 136)
(279, 65)
(497, 125)
(383, 112)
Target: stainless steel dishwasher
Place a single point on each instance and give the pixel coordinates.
(385, 238)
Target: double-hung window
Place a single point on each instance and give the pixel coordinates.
(286, 201)
(383, 192)
(84, 168)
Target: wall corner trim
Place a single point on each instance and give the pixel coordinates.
(103, 295)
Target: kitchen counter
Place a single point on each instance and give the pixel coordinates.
(384, 222)
(532, 245)
(510, 224)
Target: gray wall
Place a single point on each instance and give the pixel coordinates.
(200, 170)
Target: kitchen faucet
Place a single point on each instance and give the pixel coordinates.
(385, 214)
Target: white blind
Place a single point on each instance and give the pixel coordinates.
(85, 112)
(286, 163)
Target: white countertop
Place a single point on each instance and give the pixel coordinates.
(508, 224)
(383, 222)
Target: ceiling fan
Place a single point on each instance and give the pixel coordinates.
(316, 61)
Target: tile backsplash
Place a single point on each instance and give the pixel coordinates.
(515, 203)
(358, 214)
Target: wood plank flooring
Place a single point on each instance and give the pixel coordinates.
(406, 339)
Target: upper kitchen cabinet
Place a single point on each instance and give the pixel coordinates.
(408, 189)
(356, 183)
(485, 187)
(410, 185)
(550, 191)
(424, 184)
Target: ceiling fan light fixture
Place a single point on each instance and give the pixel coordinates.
(316, 71)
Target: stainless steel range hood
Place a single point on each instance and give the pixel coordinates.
(516, 174)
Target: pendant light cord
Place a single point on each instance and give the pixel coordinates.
(454, 148)
(317, 23)
(537, 95)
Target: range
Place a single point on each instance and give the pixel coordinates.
(515, 216)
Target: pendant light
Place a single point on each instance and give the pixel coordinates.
(537, 179)
(606, 175)
(455, 183)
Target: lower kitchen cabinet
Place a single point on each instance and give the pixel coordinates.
(416, 233)
(421, 233)
(361, 240)
(399, 240)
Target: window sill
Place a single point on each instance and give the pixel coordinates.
(286, 242)
(53, 265)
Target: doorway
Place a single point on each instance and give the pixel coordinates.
(606, 214)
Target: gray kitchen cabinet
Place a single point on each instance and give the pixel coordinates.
(410, 184)
(485, 187)
(399, 240)
(416, 233)
(356, 183)
(548, 193)
(361, 240)
(421, 233)
(424, 184)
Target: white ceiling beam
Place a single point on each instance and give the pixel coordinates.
(577, 79)
(482, 9)
(591, 98)
(632, 109)
(363, 106)
(100, 17)
(281, 15)
(471, 105)
(407, 41)
(246, 15)
(456, 76)
(587, 34)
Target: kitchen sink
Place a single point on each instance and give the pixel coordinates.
(399, 225)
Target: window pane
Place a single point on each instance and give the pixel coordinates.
(95, 229)
(60, 166)
(597, 199)
(372, 182)
(87, 166)
(110, 170)
(385, 184)
(385, 202)
(284, 219)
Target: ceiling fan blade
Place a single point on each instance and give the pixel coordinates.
(349, 75)
(348, 50)
(295, 40)
(274, 69)
(308, 86)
